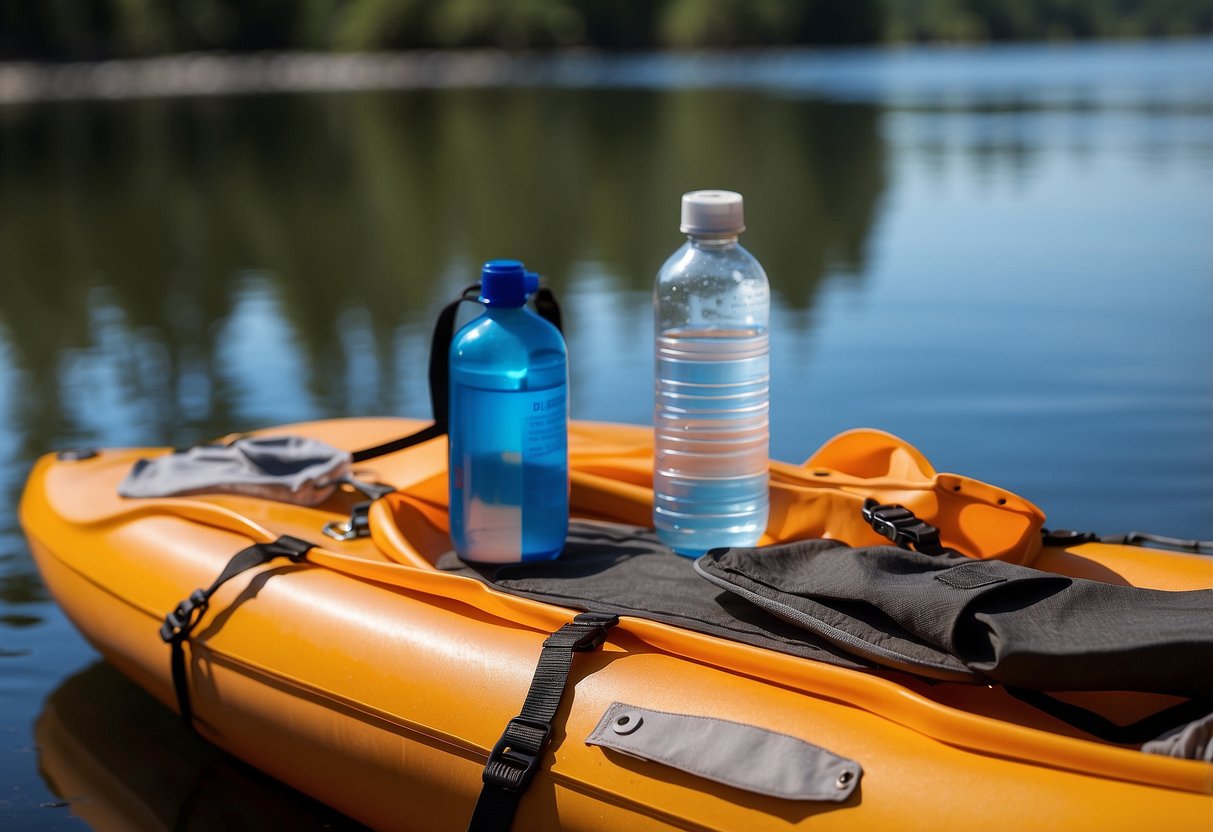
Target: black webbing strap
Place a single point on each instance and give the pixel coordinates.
(515, 759)
(548, 307)
(1097, 725)
(1067, 537)
(440, 345)
(179, 623)
(901, 526)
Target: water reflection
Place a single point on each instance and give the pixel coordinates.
(21, 588)
(23, 598)
(119, 761)
(179, 268)
(259, 357)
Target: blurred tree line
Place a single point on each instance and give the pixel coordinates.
(985, 20)
(97, 29)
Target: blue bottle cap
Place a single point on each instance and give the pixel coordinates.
(503, 283)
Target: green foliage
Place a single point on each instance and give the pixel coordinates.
(73, 29)
(523, 23)
(372, 24)
(980, 20)
(695, 23)
(64, 29)
(707, 23)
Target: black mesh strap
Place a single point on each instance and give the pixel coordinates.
(515, 759)
(179, 623)
(440, 346)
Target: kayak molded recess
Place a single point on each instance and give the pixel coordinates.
(377, 684)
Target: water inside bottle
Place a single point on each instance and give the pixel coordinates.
(712, 437)
(510, 495)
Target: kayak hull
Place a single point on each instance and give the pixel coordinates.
(383, 701)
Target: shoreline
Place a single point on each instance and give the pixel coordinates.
(203, 74)
(219, 73)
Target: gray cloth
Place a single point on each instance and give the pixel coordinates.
(610, 567)
(743, 756)
(1193, 741)
(949, 618)
(290, 469)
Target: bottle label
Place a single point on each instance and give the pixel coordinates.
(546, 426)
(509, 468)
(747, 300)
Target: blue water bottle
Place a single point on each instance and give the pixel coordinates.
(509, 462)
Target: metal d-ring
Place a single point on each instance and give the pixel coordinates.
(359, 522)
(340, 530)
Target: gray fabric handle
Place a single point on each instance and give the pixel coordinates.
(292, 469)
(743, 756)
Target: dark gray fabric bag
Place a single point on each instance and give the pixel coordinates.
(953, 618)
(948, 618)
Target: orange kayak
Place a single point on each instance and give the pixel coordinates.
(378, 684)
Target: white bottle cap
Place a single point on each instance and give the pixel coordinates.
(712, 214)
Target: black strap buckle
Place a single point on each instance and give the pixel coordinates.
(599, 623)
(288, 547)
(515, 758)
(178, 623)
(586, 632)
(900, 525)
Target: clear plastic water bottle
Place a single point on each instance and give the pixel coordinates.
(711, 420)
(509, 469)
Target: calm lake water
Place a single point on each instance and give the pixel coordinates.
(1004, 256)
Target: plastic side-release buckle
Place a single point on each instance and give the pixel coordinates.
(600, 622)
(515, 758)
(586, 632)
(901, 526)
(180, 621)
